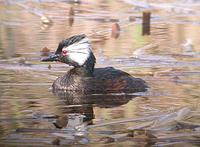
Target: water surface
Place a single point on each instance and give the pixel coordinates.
(168, 60)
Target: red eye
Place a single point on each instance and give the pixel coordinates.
(64, 52)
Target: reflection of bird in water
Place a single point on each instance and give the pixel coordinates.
(82, 105)
(103, 101)
(79, 107)
(76, 51)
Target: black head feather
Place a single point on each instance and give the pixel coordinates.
(69, 41)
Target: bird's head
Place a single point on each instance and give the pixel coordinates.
(75, 51)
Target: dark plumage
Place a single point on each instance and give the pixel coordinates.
(68, 42)
(84, 78)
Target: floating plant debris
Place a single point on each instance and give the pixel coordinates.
(46, 20)
(115, 30)
(45, 51)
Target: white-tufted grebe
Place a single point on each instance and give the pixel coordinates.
(83, 77)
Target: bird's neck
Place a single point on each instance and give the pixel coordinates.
(90, 63)
(80, 72)
(87, 69)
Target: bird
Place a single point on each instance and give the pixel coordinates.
(83, 77)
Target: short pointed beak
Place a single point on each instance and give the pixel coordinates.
(54, 57)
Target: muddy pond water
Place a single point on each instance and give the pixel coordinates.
(168, 60)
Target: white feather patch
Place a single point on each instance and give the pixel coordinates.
(79, 51)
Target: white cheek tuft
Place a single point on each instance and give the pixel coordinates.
(79, 58)
(79, 52)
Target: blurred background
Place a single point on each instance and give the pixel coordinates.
(168, 59)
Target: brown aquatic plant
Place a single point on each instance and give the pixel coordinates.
(71, 16)
(115, 30)
(45, 51)
(71, 11)
(146, 23)
(61, 122)
(49, 66)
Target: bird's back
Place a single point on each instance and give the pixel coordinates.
(112, 80)
(104, 80)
